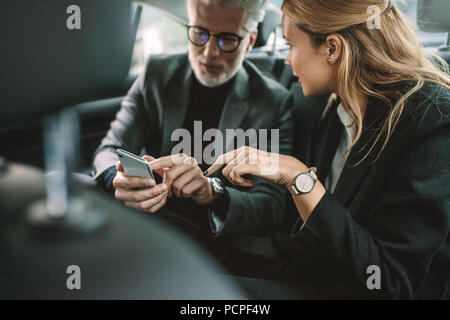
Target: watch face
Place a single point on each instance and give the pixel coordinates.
(217, 185)
(304, 183)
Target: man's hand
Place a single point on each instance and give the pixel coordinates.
(149, 197)
(184, 177)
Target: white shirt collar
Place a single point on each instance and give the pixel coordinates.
(348, 123)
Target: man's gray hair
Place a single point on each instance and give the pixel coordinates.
(255, 8)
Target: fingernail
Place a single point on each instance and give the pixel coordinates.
(206, 172)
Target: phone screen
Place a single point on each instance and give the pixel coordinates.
(133, 165)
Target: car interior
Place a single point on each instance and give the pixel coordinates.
(22, 139)
(60, 91)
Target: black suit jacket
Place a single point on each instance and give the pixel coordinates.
(393, 212)
(156, 105)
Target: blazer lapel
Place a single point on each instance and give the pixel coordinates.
(175, 103)
(355, 170)
(236, 107)
(327, 135)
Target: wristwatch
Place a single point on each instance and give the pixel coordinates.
(304, 182)
(216, 185)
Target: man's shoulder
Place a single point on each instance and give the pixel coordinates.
(162, 67)
(167, 59)
(263, 86)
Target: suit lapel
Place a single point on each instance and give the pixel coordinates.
(175, 103)
(355, 171)
(327, 135)
(351, 177)
(236, 107)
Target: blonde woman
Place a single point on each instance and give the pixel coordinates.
(376, 212)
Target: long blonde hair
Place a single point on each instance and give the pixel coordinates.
(371, 59)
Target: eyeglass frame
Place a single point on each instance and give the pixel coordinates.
(217, 35)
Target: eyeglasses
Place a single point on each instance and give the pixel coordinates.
(226, 41)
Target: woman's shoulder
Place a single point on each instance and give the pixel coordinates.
(425, 117)
(423, 109)
(428, 108)
(430, 93)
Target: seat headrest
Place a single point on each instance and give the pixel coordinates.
(433, 15)
(46, 66)
(271, 20)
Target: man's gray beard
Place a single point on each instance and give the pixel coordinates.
(217, 81)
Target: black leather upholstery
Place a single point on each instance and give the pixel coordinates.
(271, 20)
(45, 66)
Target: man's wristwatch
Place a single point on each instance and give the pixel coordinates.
(304, 182)
(217, 186)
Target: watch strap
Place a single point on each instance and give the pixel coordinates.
(293, 189)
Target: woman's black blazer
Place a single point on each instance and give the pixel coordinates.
(393, 211)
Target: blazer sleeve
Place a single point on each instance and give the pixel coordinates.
(259, 210)
(407, 226)
(128, 131)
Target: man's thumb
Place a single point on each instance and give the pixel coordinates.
(148, 158)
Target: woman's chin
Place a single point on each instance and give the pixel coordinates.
(306, 91)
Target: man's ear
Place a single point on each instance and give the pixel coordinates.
(251, 43)
(333, 46)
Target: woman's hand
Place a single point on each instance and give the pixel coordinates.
(274, 167)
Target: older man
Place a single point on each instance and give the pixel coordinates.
(210, 87)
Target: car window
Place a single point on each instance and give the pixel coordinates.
(277, 3)
(157, 33)
(427, 39)
(408, 7)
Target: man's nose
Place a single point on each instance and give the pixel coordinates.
(211, 49)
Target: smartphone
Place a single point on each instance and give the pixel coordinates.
(133, 165)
